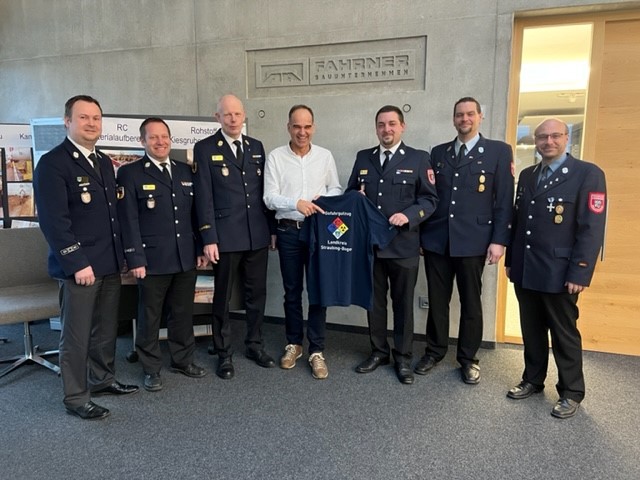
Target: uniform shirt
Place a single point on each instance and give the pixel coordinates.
(228, 195)
(77, 212)
(341, 249)
(289, 178)
(157, 217)
(475, 199)
(406, 186)
(558, 227)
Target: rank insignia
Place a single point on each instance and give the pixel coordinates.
(76, 155)
(220, 143)
(481, 150)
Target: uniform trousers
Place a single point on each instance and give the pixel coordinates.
(398, 276)
(294, 261)
(169, 296)
(441, 271)
(89, 318)
(556, 313)
(251, 267)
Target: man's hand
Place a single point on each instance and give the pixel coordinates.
(308, 208)
(202, 261)
(211, 252)
(574, 287)
(85, 276)
(139, 272)
(494, 253)
(398, 219)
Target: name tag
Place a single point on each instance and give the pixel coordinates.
(148, 187)
(217, 158)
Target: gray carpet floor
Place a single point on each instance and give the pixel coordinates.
(277, 424)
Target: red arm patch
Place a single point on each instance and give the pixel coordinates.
(596, 202)
(431, 176)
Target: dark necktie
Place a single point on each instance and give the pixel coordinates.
(460, 156)
(385, 162)
(546, 171)
(165, 170)
(239, 155)
(96, 165)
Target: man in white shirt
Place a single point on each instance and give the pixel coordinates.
(295, 174)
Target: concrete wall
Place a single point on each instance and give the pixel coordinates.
(176, 57)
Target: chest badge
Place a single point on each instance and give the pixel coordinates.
(85, 197)
(151, 202)
(225, 171)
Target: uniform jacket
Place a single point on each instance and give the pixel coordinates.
(404, 187)
(157, 217)
(228, 195)
(475, 199)
(77, 212)
(558, 228)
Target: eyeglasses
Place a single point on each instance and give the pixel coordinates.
(541, 137)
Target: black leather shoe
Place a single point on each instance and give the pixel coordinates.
(261, 358)
(225, 368)
(426, 363)
(471, 374)
(117, 388)
(403, 371)
(565, 408)
(89, 411)
(191, 370)
(523, 390)
(371, 363)
(152, 382)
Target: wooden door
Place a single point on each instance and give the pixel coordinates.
(610, 308)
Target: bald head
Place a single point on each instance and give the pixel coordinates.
(230, 114)
(551, 138)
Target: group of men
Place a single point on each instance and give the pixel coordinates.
(162, 218)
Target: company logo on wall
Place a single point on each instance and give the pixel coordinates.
(398, 63)
(336, 69)
(337, 228)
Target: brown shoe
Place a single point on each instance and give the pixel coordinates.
(318, 366)
(291, 354)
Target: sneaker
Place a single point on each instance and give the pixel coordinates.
(291, 354)
(318, 366)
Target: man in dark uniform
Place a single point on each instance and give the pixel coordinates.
(558, 230)
(75, 191)
(470, 227)
(398, 179)
(235, 227)
(155, 208)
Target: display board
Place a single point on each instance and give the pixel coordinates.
(17, 207)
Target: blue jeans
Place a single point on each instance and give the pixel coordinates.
(294, 260)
